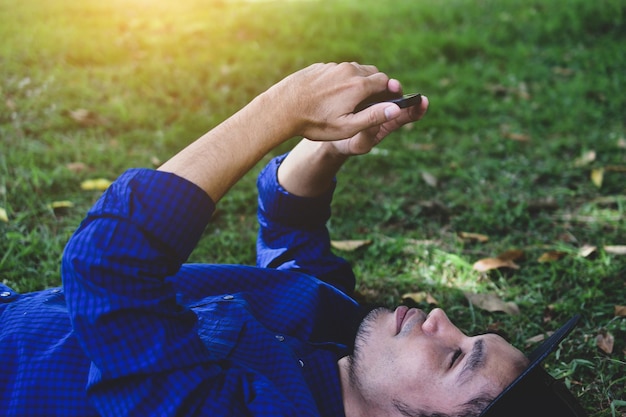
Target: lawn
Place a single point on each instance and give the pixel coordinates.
(521, 158)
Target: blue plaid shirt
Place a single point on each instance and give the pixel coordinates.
(137, 331)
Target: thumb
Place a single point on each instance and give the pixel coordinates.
(375, 115)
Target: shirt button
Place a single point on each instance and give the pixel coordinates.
(228, 297)
(301, 362)
(5, 294)
(280, 337)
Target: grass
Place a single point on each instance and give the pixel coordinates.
(520, 91)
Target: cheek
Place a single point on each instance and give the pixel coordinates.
(402, 370)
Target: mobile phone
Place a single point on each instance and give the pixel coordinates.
(403, 102)
(407, 100)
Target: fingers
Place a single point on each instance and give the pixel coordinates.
(328, 94)
(381, 113)
(416, 112)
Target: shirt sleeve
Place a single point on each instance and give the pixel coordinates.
(293, 233)
(146, 356)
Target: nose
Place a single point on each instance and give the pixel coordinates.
(438, 322)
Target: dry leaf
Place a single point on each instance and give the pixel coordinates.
(487, 264)
(429, 179)
(586, 250)
(546, 203)
(605, 341)
(99, 184)
(511, 255)
(620, 311)
(76, 167)
(615, 249)
(349, 245)
(615, 168)
(60, 207)
(585, 159)
(566, 72)
(551, 256)
(567, 237)
(518, 137)
(597, 176)
(491, 302)
(421, 297)
(86, 117)
(3, 215)
(474, 236)
(538, 338)
(155, 161)
(61, 204)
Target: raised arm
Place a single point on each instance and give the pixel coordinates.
(293, 232)
(309, 169)
(317, 102)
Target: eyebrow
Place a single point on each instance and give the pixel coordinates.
(475, 360)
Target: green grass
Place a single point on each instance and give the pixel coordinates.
(158, 74)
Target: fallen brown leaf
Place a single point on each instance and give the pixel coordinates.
(76, 167)
(587, 158)
(615, 249)
(487, 264)
(86, 117)
(511, 255)
(349, 245)
(99, 184)
(474, 236)
(620, 311)
(605, 341)
(565, 72)
(518, 137)
(430, 179)
(538, 338)
(61, 204)
(420, 297)
(551, 256)
(491, 302)
(155, 161)
(60, 207)
(597, 176)
(586, 251)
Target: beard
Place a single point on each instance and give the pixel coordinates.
(363, 335)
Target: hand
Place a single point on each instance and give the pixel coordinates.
(310, 167)
(365, 140)
(318, 102)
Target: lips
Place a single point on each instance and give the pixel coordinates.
(403, 315)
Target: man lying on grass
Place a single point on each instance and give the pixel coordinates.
(137, 331)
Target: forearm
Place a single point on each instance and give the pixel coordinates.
(218, 159)
(309, 169)
(317, 102)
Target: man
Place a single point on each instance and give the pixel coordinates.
(136, 331)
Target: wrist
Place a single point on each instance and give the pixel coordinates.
(279, 112)
(310, 168)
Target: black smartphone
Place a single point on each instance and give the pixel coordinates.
(407, 100)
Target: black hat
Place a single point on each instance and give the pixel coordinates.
(535, 392)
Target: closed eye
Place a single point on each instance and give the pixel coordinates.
(456, 355)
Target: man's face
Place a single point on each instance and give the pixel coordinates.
(407, 360)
